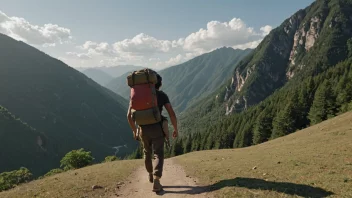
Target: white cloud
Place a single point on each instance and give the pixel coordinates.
(78, 55)
(49, 44)
(154, 59)
(175, 60)
(266, 30)
(111, 61)
(251, 45)
(94, 48)
(144, 49)
(141, 49)
(172, 61)
(217, 34)
(47, 35)
(143, 44)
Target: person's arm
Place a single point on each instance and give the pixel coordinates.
(131, 122)
(173, 118)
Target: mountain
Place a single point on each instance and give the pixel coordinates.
(299, 75)
(62, 103)
(309, 42)
(118, 85)
(192, 80)
(98, 76)
(114, 71)
(21, 145)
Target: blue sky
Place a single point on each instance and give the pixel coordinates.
(152, 33)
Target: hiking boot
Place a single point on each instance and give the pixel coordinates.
(157, 187)
(151, 179)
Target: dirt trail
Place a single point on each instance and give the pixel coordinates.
(175, 182)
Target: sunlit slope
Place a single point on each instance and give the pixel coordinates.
(314, 162)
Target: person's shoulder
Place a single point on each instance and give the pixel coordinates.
(161, 92)
(163, 95)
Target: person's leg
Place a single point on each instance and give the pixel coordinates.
(147, 150)
(158, 145)
(155, 135)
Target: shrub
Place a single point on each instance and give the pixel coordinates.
(53, 172)
(111, 158)
(76, 159)
(11, 179)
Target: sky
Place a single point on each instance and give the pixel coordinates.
(153, 33)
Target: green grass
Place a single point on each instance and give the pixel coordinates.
(314, 162)
(77, 183)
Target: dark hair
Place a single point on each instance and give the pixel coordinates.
(158, 84)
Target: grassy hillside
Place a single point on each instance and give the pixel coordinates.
(315, 162)
(78, 183)
(64, 104)
(191, 81)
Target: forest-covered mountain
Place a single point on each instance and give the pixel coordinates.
(22, 145)
(62, 103)
(299, 75)
(192, 80)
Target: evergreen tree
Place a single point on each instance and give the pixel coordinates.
(178, 148)
(323, 105)
(304, 103)
(210, 141)
(285, 121)
(263, 127)
(349, 46)
(188, 144)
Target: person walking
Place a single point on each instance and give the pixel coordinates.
(153, 136)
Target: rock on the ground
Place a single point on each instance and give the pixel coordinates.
(96, 187)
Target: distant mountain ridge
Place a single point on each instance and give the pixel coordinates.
(192, 80)
(62, 103)
(114, 71)
(98, 76)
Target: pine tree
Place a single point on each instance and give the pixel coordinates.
(349, 46)
(323, 105)
(204, 139)
(178, 148)
(262, 127)
(188, 144)
(285, 121)
(304, 103)
(210, 141)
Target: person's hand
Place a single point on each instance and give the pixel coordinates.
(175, 134)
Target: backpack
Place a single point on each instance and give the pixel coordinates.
(143, 97)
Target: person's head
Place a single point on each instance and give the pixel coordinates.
(159, 83)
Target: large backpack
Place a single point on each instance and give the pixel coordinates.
(143, 97)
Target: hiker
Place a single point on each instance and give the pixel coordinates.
(152, 136)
